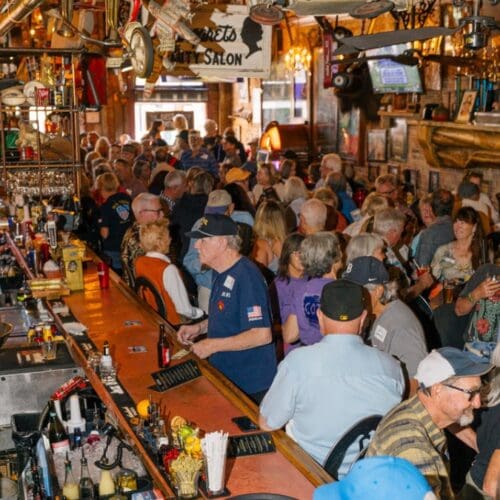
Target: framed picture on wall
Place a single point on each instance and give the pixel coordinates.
(433, 181)
(373, 171)
(411, 178)
(466, 106)
(377, 144)
(262, 156)
(348, 134)
(398, 140)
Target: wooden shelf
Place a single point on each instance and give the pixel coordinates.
(399, 114)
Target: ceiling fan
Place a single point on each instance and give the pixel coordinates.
(475, 38)
(272, 12)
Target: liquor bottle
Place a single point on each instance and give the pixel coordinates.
(86, 484)
(71, 489)
(106, 363)
(58, 436)
(163, 347)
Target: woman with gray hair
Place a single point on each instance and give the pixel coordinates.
(365, 245)
(483, 479)
(396, 330)
(321, 258)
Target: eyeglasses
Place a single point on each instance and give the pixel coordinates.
(472, 393)
(157, 210)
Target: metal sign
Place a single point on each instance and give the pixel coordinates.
(232, 45)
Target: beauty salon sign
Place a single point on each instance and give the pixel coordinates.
(232, 45)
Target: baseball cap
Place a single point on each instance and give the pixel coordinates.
(378, 478)
(218, 201)
(446, 362)
(214, 225)
(236, 174)
(342, 300)
(366, 271)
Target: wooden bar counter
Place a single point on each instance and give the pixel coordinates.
(210, 401)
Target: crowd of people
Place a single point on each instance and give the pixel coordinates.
(325, 301)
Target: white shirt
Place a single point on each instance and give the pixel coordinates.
(174, 286)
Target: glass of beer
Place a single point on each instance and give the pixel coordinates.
(448, 291)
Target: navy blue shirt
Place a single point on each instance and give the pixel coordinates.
(239, 301)
(116, 215)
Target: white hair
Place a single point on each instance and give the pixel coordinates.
(332, 161)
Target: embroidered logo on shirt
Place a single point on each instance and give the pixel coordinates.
(220, 305)
(229, 282)
(254, 313)
(380, 333)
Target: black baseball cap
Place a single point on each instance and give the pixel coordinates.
(214, 225)
(366, 271)
(342, 300)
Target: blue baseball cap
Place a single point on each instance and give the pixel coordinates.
(378, 478)
(366, 271)
(446, 362)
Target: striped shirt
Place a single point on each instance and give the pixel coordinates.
(408, 431)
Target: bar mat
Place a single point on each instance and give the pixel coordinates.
(250, 444)
(176, 375)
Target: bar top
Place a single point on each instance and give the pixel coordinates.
(210, 401)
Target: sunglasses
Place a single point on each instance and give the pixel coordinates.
(472, 393)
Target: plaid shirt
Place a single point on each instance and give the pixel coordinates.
(408, 431)
(130, 250)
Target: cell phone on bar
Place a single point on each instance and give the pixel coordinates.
(245, 424)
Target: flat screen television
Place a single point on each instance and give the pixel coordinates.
(388, 76)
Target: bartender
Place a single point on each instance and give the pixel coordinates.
(239, 340)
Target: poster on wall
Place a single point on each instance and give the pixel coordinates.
(231, 45)
(348, 134)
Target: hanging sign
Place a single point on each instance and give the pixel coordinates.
(232, 45)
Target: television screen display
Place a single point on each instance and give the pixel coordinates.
(389, 76)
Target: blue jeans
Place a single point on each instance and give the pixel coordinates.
(116, 261)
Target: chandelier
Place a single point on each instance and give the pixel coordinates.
(298, 58)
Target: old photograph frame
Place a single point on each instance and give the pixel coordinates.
(377, 144)
(398, 140)
(466, 108)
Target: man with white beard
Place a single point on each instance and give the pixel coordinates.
(449, 391)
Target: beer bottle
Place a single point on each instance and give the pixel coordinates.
(58, 437)
(163, 348)
(86, 484)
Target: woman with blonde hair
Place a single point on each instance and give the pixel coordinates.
(372, 204)
(270, 231)
(156, 269)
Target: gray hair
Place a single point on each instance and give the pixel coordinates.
(363, 245)
(294, 189)
(234, 242)
(314, 213)
(387, 220)
(318, 253)
(141, 200)
(332, 161)
(175, 178)
(390, 291)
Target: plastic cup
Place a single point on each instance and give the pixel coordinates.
(49, 351)
(103, 273)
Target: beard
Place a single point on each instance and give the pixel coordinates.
(466, 419)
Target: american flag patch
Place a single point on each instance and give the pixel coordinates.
(254, 313)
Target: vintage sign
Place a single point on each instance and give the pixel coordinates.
(232, 45)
